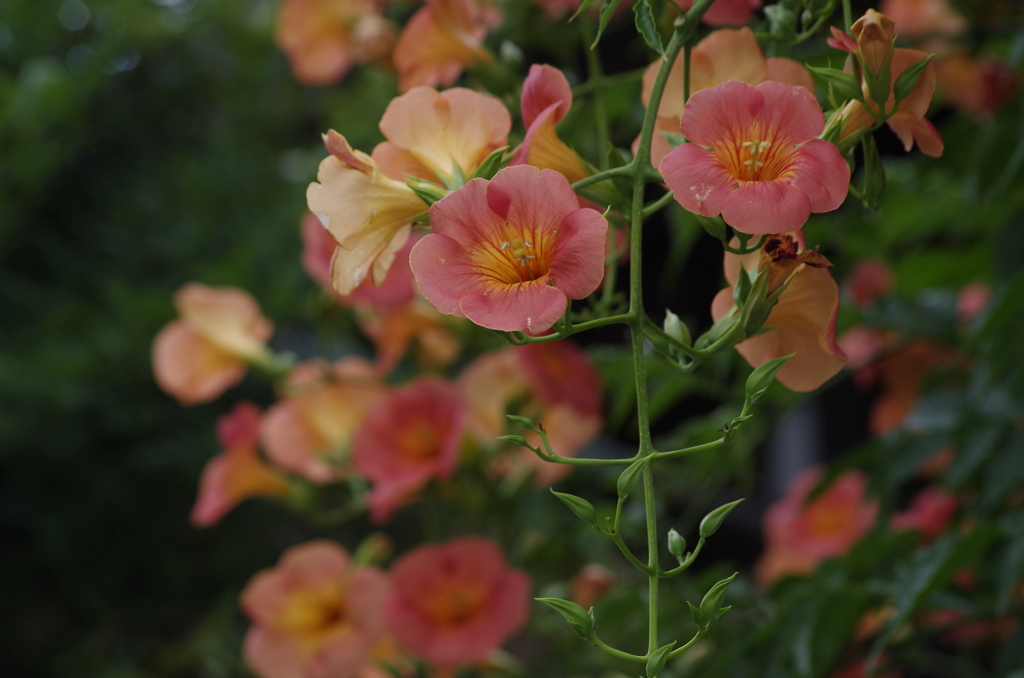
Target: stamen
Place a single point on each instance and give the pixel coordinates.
(505, 245)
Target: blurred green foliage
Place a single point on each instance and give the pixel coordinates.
(162, 141)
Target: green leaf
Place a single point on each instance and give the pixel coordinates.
(426, 191)
(695, 615)
(842, 83)
(908, 79)
(583, 509)
(656, 663)
(757, 306)
(761, 378)
(525, 421)
(628, 479)
(648, 28)
(676, 544)
(713, 520)
(712, 602)
(674, 139)
(492, 163)
(878, 86)
(874, 174)
(579, 619)
(583, 7)
(607, 11)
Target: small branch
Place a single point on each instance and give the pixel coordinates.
(617, 539)
(679, 650)
(597, 642)
(657, 205)
(685, 565)
(623, 171)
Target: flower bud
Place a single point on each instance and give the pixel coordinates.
(875, 33)
(676, 544)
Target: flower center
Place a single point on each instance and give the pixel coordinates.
(454, 603)
(312, 615)
(514, 256)
(753, 157)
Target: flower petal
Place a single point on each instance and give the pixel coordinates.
(762, 207)
(444, 272)
(781, 69)
(534, 200)
(541, 148)
(910, 129)
(190, 368)
(712, 116)
(441, 128)
(697, 179)
(734, 55)
(465, 216)
(530, 307)
(822, 174)
(543, 87)
(577, 262)
(804, 322)
(790, 114)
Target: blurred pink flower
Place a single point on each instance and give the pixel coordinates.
(439, 42)
(972, 300)
(323, 39)
(901, 374)
(804, 319)
(309, 430)
(409, 437)
(237, 473)
(455, 603)
(727, 12)
(930, 512)
(724, 55)
(204, 352)
(590, 583)
(557, 386)
(314, 614)
(861, 344)
(753, 157)
(859, 670)
(509, 253)
(869, 280)
(799, 535)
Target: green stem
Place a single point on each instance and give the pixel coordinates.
(657, 204)
(616, 653)
(679, 650)
(685, 565)
(617, 539)
(652, 560)
(518, 340)
(623, 171)
(847, 15)
(596, 76)
(687, 51)
(609, 81)
(675, 454)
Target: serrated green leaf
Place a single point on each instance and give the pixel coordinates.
(583, 7)
(648, 28)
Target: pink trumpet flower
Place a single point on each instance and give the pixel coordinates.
(439, 42)
(727, 54)
(315, 615)
(204, 352)
(727, 12)
(237, 473)
(509, 253)
(754, 159)
(455, 603)
(803, 320)
(546, 99)
(409, 437)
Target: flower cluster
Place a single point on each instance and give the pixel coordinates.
(320, 612)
